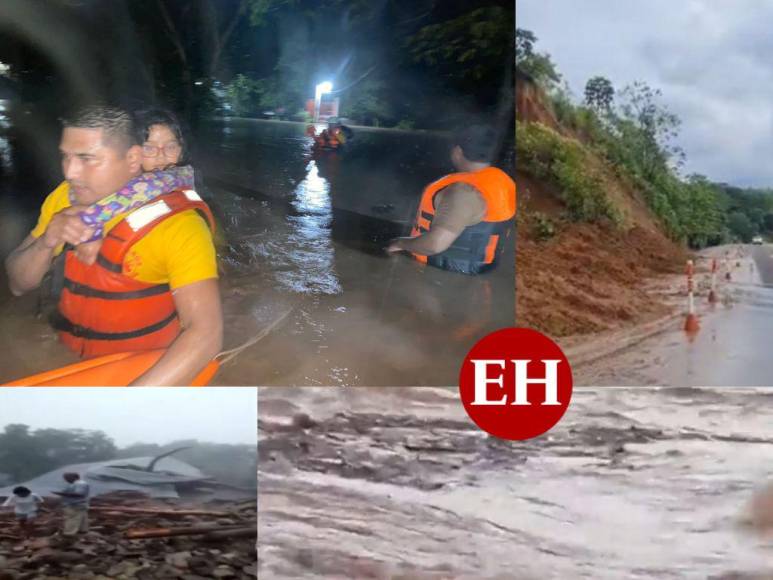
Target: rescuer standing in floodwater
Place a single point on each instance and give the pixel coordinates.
(464, 218)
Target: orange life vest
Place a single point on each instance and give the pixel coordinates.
(477, 247)
(326, 140)
(338, 135)
(101, 310)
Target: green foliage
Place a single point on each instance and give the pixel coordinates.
(582, 120)
(268, 94)
(545, 154)
(395, 60)
(751, 211)
(636, 138)
(636, 135)
(741, 227)
(302, 115)
(179, 54)
(699, 213)
(25, 454)
(259, 10)
(563, 108)
(647, 129)
(538, 65)
(368, 103)
(249, 97)
(241, 94)
(466, 46)
(599, 94)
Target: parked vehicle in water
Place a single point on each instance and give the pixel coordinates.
(757, 240)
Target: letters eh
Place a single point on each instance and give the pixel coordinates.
(522, 381)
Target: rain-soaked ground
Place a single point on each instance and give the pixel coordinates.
(304, 256)
(398, 483)
(732, 347)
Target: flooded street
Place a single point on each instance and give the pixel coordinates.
(388, 483)
(304, 234)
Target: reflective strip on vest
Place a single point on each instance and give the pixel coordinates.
(141, 217)
(192, 195)
(103, 311)
(491, 249)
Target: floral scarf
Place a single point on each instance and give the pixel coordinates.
(137, 192)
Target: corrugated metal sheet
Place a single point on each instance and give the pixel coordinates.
(107, 476)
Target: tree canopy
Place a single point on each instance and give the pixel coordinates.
(429, 62)
(538, 65)
(637, 135)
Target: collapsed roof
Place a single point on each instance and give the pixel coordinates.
(158, 477)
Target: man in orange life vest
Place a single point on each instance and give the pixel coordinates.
(153, 283)
(464, 218)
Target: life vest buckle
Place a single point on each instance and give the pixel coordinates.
(78, 331)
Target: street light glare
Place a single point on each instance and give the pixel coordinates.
(325, 87)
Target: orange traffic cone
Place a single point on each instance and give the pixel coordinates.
(691, 324)
(713, 291)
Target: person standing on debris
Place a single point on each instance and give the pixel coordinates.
(75, 504)
(464, 217)
(25, 508)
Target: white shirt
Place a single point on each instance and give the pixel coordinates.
(24, 506)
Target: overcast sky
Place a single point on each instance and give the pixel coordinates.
(713, 60)
(148, 415)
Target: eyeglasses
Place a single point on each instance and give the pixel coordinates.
(170, 150)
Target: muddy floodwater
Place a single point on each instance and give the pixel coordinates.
(397, 483)
(302, 255)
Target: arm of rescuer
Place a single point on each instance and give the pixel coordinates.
(185, 251)
(201, 318)
(456, 207)
(29, 262)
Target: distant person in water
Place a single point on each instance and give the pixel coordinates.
(342, 130)
(464, 218)
(330, 138)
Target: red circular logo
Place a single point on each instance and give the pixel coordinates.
(515, 383)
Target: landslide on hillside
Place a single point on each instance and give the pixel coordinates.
(588, 277)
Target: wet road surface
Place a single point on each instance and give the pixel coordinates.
(397, 483)
(304, 234)
(763, 259)
(732, 348)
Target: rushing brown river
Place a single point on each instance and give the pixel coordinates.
(303, 255)
(397, 483)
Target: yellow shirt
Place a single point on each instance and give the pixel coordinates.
(178, 251)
